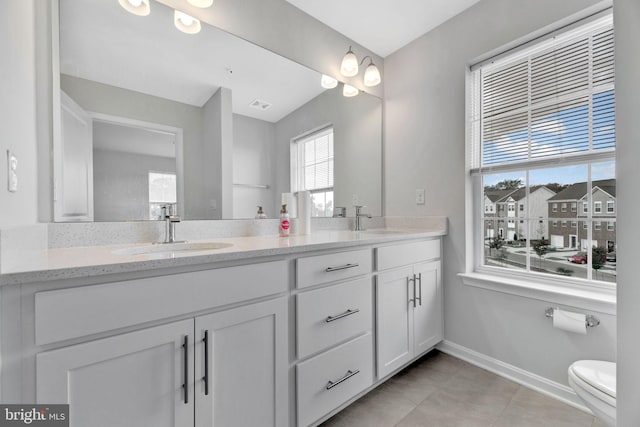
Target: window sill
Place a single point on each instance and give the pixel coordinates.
(600, 300)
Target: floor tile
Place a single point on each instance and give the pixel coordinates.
(442, 391)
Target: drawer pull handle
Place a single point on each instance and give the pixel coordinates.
(342, 267)
(341, 315)
(350, 373)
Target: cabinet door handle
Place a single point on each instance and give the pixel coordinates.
(349, 312)
(350, 373)
(412, 280)
(185, 352)
(342, 267)
(205, 342)
(419, 287)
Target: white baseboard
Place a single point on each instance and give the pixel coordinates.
(528, 379)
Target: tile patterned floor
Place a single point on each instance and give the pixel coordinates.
(442, 391)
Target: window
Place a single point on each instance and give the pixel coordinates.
(610, 206)
(611, 226)
(550, 102)
(597, 207)
(597, 225)
(162, 192)
(312, 170)
(521, 208)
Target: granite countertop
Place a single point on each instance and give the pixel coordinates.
(89, 261)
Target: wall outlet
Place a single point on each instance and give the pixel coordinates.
(12, 167)
(420, 196)
(354, 200)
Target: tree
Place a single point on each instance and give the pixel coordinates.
(495, 243)
(541, 247)
(555, 187)
(506, 184)
(598, 258)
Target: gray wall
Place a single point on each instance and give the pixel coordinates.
(101, 98)
(627, 33)
(121, 184)
(357, 140)
(425, 148)
(217, 156)
(18, 111)
(254, 152)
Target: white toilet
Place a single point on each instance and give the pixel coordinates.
(594, 381)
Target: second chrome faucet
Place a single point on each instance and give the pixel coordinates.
(170, 221)
(359, 215)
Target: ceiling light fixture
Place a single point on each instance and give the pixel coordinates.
(137, 7)
(186, 23)
(328, 82)
(349, 66)
(200, 3)
(349, 91)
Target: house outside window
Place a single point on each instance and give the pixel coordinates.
(528, 116)
(610, 206)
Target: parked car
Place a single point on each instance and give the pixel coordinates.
(579, 258)
(611, 257)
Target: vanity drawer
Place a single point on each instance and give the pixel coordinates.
(330, 315)
(333, 377)
(319, 269)
(406, 254)
(85, 310)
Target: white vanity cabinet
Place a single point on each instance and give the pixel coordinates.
(226, 368)
(334, 325)
(408, 303)
(143, 378)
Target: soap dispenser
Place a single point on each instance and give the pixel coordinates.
(283, 228)
(261, 214)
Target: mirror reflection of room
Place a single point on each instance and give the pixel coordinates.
(234, 125)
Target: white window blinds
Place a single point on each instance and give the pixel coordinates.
(551, 101)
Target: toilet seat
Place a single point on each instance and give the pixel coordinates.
(596, 377)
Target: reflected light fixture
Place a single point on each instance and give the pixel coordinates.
(349, 66)
(186, 23)
(349, 91)
(200, 3)
(328, 82)
(137, 7)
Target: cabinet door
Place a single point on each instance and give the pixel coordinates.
(134, 379)
(242, 381)
(427, 315)
(394, 307)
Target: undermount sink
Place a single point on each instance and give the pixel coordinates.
(157, 248)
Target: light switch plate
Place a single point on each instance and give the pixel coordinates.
(420, 196)
(12, 175)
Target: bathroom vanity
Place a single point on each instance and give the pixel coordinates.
(267, 331)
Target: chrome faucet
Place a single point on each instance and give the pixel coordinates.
(170, 221)
(358, 216)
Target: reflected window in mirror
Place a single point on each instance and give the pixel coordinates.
(312, 169)
(162, 192)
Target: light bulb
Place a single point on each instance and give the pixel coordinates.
(328, 82)
(137, 7)
(372, 76)
(349, 91)
(186, 23)
(200, 3)
(349, 66)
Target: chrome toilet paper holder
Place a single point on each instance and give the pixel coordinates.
(590, 320)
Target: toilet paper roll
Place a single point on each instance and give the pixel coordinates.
(304, 212)
(570, 321)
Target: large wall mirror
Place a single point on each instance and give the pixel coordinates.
(209, 122)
